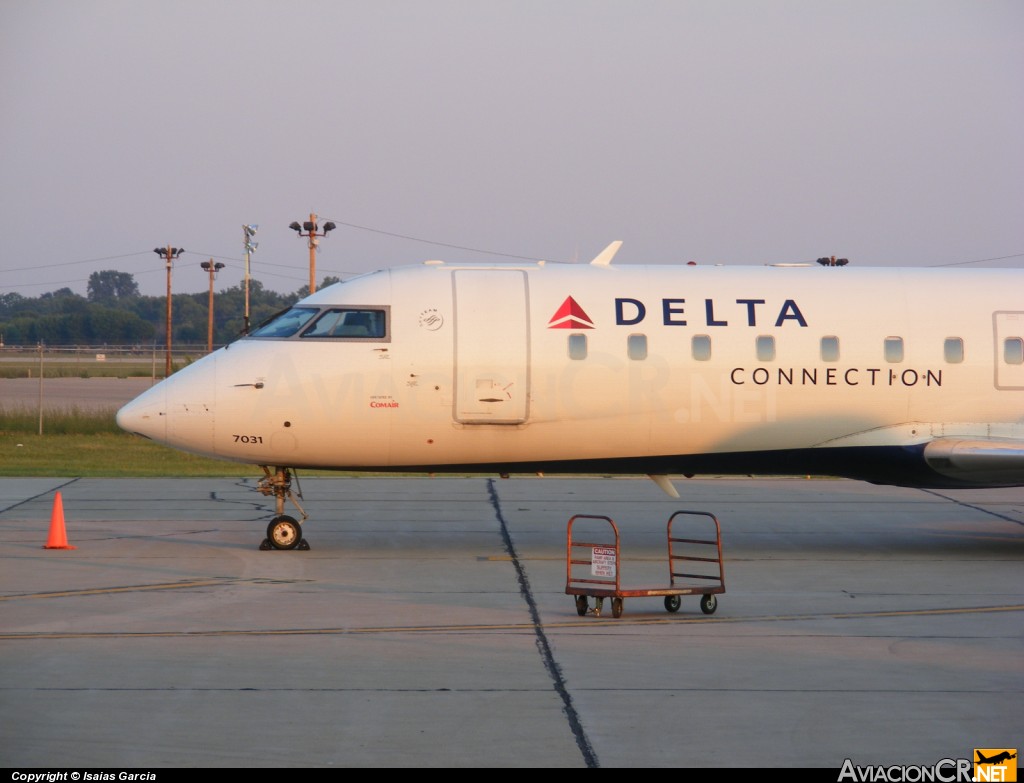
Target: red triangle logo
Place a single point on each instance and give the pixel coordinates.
(570, 315)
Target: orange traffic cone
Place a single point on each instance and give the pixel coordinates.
(58, 536)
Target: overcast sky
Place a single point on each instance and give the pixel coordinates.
(888, 132)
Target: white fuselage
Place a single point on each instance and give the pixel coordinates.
(648, 369)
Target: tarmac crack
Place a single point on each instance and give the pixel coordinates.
(975, 508)
(263, 508)
(543, 645)
(172, 689)
(39, 495)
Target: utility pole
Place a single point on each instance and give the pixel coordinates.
(168, 254)
(310, 228)
(212, 268)
(40, 387)
(248, 232)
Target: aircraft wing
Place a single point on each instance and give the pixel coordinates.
(977, 460)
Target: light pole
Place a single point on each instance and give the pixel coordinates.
(212, 268)
(310, 228)
(248, 232)
(168, 254)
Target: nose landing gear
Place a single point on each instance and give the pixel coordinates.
(283, 532)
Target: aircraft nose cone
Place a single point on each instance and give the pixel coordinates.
(178, 411)
(146, 415)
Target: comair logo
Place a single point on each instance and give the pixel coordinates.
(570, 316)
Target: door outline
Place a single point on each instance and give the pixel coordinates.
(491, 346)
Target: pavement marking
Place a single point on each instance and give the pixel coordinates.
(593, 622)
(132, 588)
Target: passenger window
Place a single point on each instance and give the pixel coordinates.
(700, 345)
(830, 349)
(953, 350)
(1013, 350)
(346, 323)
(577, 346)
(765, 348)
(894, 349)
(636, 346)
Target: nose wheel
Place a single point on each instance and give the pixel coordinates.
(283, 532)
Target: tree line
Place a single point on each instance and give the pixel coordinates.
(113, 312)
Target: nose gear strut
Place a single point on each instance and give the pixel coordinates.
(283, 532)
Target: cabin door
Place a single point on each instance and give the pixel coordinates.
(1009, 335)
(492, 346)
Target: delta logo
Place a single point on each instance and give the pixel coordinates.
(676, 312)
(570, 315)
(995, 764)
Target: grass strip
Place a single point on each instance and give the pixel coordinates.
(105, 455)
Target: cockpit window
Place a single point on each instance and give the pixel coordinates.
(287, 323)
(352, 323)
(329, 323)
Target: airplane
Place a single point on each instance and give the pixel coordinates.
(996, 759)
(912, 377)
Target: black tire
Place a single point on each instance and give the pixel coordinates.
(672, 603)
(284, 532)
(581, 605)
(708, 604)
(616, 607)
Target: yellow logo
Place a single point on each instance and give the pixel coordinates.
(995, 765)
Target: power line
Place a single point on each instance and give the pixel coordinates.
(432, 242)
(55, 284)
(72, 263)
(981, 260)
(339, 273)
